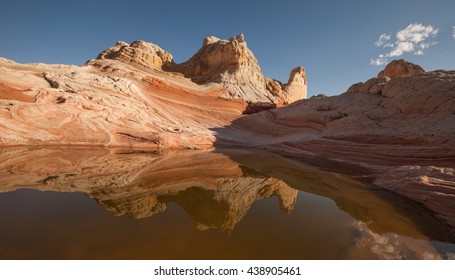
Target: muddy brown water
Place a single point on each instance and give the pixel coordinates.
(94, 203)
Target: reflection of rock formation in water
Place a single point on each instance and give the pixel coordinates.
(221, 206)
(212, 189)
(216, 189)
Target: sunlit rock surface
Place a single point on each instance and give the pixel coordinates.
(396, 128)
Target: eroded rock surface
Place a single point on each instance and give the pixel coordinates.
(401, 122)
(229, 63)
(135, 95)
(400, 68)
(139, 53)
(404, 127)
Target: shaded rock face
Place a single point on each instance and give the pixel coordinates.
(373, 85)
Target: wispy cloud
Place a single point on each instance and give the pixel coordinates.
(382, 39)
(378, 61)
(453, 32)
(413, 39)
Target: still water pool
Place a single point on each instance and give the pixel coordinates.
(83, 203)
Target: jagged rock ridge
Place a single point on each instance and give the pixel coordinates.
(227, 62)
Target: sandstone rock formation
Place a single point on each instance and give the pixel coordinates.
(294, 90)
(400, 68)
(136, 96)
(109, 103)
(406, 125)
(395, 69)
(232, 64)
(228, 63)
(140, 54)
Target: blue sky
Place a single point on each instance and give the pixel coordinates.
(333, 40)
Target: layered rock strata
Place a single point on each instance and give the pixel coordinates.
(229, 63)
(397, 124)
(403, 132)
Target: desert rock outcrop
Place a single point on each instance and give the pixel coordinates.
(400, 68)
(229, 63)
(407, 125)
(136, 96)
(295, 89)
(139, 54)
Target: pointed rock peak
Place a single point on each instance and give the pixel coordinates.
(227, 61)
(297, 75)
(121, 44)
(239, 38)
(210, 40)
(400, 68)
(296, 87)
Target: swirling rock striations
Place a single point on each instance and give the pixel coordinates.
(402, 124)
(135, 95)
(229, 63)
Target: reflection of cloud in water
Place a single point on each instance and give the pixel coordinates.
(392, 246)
(217, 189)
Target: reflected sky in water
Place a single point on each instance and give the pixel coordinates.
(81, 203)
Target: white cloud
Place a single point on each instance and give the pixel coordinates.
(382, 39)
(378, 61)
(412, 39)
(401, 48)
(453, 32)
(389, 45)
(416, 33)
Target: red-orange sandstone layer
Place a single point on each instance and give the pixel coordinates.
(402, 129)
(116, 106)
(401, 126)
